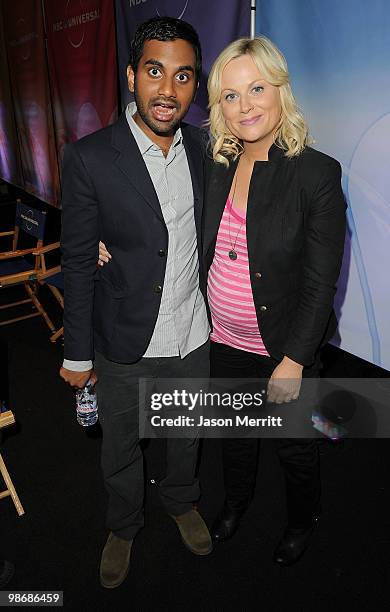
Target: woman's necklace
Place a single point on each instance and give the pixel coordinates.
(233, 253)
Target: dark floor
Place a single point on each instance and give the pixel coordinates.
(57, 544)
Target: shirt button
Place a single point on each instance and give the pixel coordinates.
(258, 274)
(162, 253)
(157, 288)
(263, 308)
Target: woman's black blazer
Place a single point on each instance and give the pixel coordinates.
(295, 233)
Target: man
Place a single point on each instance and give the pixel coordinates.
(137, 186)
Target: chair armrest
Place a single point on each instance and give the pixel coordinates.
(11, 233)
(45, 276)
(6, 418)
(46, 249)
(13, 254)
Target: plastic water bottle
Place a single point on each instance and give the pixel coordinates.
(86, 405)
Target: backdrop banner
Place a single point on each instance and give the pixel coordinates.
(217, 23)
(82, 65)
(338, 54)
(23, 24)
(10, 169)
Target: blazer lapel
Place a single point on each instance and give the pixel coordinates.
(196, 165)
(267, 183)
(131, 163)
(219, 180)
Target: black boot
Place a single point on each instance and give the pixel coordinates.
(293, 544)
(227, 522)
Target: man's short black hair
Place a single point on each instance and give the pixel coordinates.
(164, 29)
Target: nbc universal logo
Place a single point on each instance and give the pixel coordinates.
(135, 3)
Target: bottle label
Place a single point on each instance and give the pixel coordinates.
(86, 405)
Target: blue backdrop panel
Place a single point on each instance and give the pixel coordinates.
(339, 57)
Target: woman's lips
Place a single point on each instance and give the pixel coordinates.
(163, 113)
(251, 121)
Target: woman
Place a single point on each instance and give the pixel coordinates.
(274, 225)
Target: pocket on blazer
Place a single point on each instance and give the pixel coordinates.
(107, 287)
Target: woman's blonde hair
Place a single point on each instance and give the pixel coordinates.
(291, 133)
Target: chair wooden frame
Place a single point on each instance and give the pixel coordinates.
(7, 418)
(43, 276)
(60, 299)
(29, 278)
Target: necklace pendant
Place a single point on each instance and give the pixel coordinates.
(233, 254)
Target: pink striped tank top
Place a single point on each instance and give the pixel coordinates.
(229, 288)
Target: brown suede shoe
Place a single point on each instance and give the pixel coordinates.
(194, 532)
(115, 561)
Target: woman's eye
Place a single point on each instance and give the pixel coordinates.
(258, 89)
(154, 72)
(183, 78)
(230, 97)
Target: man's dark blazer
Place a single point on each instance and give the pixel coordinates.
(108, 195)
(295, 233)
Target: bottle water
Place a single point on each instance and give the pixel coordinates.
(86, 405)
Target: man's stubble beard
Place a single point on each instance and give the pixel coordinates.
(168, 131)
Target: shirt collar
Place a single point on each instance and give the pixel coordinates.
(143, 141)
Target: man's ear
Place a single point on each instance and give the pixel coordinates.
(130, 78)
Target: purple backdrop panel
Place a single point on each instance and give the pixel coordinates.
(217, 23)
(10, 169)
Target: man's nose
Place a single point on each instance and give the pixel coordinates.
(167, 88)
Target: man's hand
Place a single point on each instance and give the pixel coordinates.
(285, 382)
(78, 379)
(104, 255)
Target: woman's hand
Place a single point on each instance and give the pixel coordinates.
(285, 382)
(104, 255)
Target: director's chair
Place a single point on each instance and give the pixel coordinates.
(7, 418)
(24, 266)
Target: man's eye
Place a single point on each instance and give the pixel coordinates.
(154, 72)
(183, 78)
